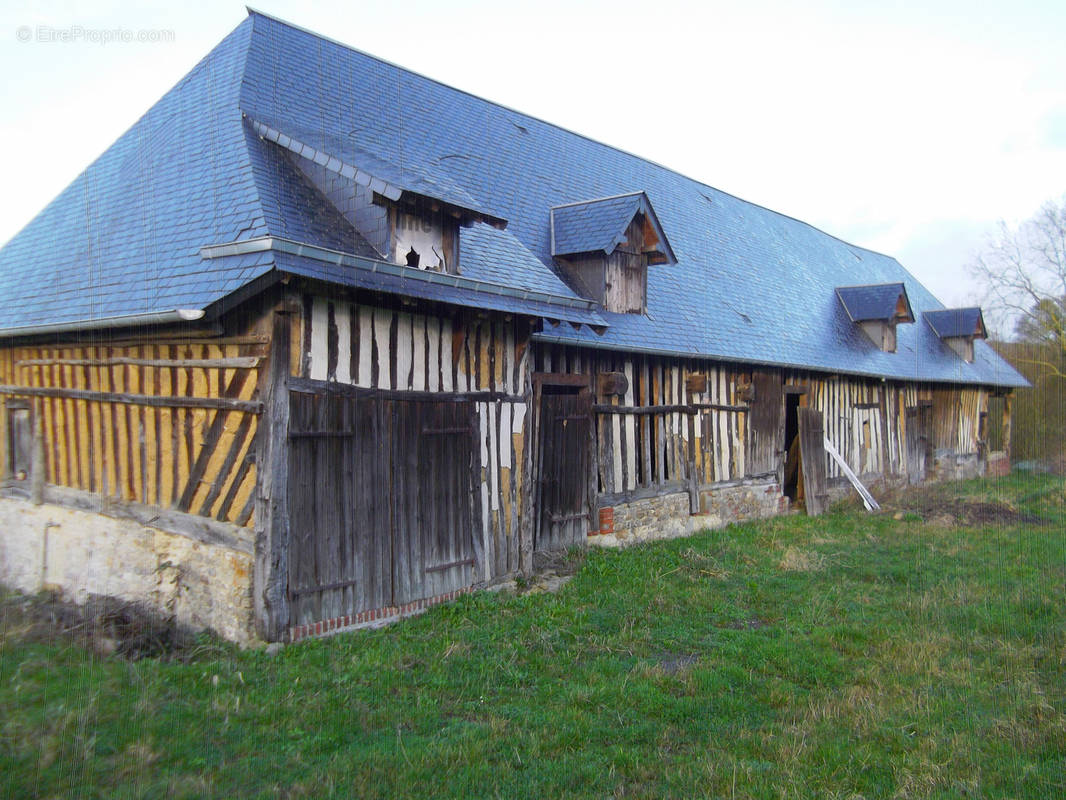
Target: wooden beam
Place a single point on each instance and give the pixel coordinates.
(310, 386)
(692, 408)
(270, 581)
(241, 362)
(228, 404)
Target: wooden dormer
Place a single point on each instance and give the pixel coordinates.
(877, 309)
(604, 247)
(957, 328)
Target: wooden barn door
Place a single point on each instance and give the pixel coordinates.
(381, 502)
(563, 486)
(433, 496)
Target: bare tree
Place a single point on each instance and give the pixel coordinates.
(1023, 271)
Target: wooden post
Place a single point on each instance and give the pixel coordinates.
(530, 481)
(270, 581)
(37, 461)
(1007, 425)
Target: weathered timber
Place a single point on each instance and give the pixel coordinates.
(250, 406)
(691, 408)
(238, 362)
(812, 453)
(270, 582)
(867, 498)
(309, 386)
(210, 442)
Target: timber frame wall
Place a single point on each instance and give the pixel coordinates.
(400, 350)
(165, 419)
(689, 424)
(195, 420)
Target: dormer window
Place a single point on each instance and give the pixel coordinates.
(957, 328)
(877, 309)
(604, 248)
(423, 235)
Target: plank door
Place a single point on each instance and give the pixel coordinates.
(340, 555)
(812, 457)
(917, 442)
(435, 498)
(766, 424)
(565, 427)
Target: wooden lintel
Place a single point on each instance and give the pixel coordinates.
(310, 386)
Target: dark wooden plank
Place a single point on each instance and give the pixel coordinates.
(314, 386)
(812, 454)
(394, 377)
(766, 424)
(270, 583)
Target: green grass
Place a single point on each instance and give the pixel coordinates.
(843, 656)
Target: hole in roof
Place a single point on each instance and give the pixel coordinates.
(520, 127)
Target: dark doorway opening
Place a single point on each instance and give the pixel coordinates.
(793, 472)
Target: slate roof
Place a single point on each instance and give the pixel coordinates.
(593, 225)
(953, 322)
(867, 303)
(749, 285)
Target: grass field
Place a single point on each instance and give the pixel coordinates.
(915, 653)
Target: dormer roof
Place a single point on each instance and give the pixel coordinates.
(883, 302)
(392, 182)
(957, 322)
(590, 226)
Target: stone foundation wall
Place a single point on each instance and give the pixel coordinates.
(668, 516)
(77, 553)
(950, 466)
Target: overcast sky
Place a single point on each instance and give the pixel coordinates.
(908, 128)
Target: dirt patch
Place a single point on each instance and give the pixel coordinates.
(938, 506)
(107, 626)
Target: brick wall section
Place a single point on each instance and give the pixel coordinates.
(79, 554)
(667, 516)
(998, 465)
(372, 618)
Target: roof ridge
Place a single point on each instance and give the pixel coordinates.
(599, 199)
(556, 126)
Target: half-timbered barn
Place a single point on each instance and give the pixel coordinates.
(320, 341)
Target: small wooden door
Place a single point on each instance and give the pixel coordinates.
(766, 425)
(812, 455)
(563, 490)
(917, 441)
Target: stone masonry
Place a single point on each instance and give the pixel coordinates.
(668, 516)
(77, 554)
